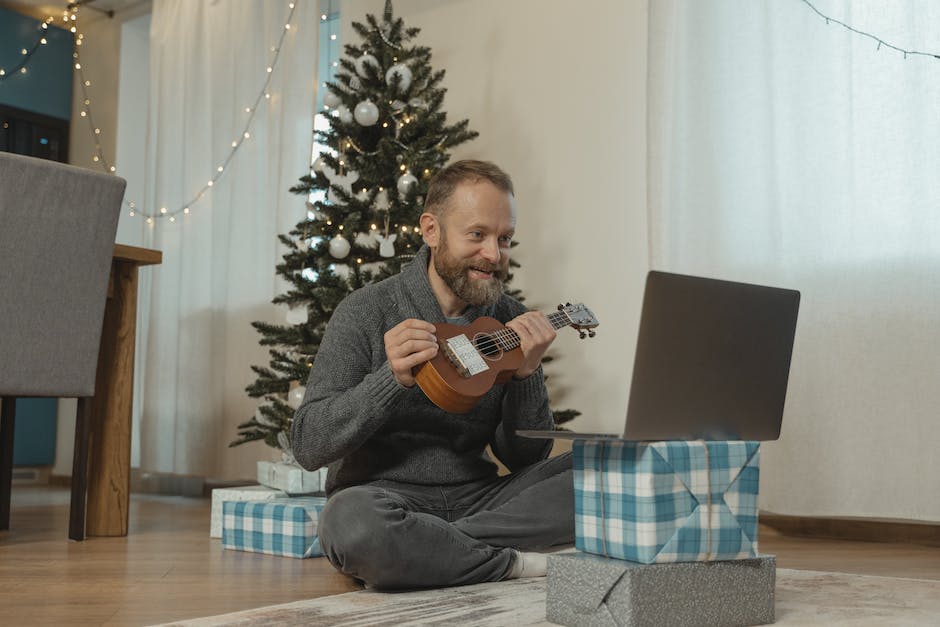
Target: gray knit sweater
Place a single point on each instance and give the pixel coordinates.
(357, 419)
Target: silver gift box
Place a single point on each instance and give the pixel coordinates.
(291, 478)
(591, 590)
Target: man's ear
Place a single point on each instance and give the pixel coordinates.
(430, 229)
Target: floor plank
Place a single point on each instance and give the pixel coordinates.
(168, 568)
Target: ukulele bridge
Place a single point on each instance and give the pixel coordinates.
(464, 356)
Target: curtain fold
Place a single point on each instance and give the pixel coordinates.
(208, 63)
(788, 151)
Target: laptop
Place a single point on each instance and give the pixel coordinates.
(712, 362)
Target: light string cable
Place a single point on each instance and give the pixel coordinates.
(881, 42)
(27, 53)
(245, 134)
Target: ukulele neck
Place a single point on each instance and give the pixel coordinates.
(509, 339)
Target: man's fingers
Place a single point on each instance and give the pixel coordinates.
(407, 345)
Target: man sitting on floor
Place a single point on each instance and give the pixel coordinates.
(414, 501)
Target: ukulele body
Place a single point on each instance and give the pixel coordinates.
(441, 380)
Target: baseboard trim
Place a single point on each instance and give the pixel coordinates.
(862, 529)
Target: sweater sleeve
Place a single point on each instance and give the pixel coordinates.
(348, 397)
(524, 406)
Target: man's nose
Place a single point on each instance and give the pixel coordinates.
(491, 250)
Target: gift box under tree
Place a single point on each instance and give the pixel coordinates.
(655, 502)
(286, 527)
(291, 478)
(243, 493)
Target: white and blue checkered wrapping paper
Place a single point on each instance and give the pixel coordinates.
(657, 502)
(286, 526)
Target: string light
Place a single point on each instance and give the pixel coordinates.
(98, 157)
(27, 53)
(881, 42)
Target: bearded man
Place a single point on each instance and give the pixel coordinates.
(414, 499)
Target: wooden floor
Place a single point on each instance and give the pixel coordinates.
(168, 568)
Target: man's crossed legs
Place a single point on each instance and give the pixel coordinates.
(398, 535)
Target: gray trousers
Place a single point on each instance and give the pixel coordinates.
(398, 535)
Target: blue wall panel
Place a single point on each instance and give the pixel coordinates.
(34, 437)
(46, 87)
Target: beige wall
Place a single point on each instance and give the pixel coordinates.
(557, 91)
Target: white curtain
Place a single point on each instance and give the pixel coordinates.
(792, 152)
(208, 63)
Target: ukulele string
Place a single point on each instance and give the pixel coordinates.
(506, 337)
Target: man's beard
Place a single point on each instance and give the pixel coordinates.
(455, 274)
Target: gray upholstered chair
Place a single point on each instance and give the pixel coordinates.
(57, 229)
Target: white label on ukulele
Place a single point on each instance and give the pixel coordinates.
(467, 353)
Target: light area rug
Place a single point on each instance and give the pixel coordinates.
(802, 598)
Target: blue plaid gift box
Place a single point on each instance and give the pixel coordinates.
(285, 526)
(655, 502)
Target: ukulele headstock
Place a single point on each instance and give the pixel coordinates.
(580, 318)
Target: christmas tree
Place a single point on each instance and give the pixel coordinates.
(387, 137)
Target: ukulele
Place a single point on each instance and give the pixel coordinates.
(474, 358)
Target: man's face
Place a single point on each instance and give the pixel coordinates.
(470, 250)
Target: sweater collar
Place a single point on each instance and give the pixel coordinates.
(417, 289)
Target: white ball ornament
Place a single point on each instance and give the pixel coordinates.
(366, 113)
(403, 72)
(344, 114)
(331, 100)
(363, 61)
(405, 182)
(296, 396)
(339, 247)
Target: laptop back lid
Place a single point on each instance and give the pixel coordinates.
(712, 360)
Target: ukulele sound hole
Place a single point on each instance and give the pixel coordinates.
(487, 346)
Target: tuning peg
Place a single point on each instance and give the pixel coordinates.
(591, 333)
(567, 304)
(561, 307)
(582, 334)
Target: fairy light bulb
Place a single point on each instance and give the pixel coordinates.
(219, 168)
(246, 135)
(163, 210)
(186, 210)
(210, 184)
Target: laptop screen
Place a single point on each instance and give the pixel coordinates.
(712, 360)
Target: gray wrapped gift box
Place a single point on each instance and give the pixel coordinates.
(585, 589)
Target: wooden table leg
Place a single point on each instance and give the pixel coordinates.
(110, 437)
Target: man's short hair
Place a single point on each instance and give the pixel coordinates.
(444, 183)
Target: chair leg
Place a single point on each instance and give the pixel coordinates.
(80, 471)
(7, 424)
